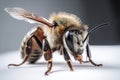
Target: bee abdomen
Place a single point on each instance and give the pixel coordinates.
(32, 45)
(34, 53)
(34, 56)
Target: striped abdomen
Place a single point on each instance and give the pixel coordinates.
(32, 45)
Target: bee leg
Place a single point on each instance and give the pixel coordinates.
(89, 56)
(48, 58)
(47, 55)
(28, 50)
(24, 60)
(49, 66)
(70, 66)
(67, 58)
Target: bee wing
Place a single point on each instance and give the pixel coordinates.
(21, 14)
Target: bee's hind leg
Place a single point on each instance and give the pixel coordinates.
(24, 60)
(28, 50)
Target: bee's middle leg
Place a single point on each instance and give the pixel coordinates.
(47, 56)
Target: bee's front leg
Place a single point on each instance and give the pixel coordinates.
(89, 56)
(67, 58)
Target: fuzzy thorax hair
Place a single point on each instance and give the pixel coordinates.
(65, 19)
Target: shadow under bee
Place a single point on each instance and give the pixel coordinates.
(62, 67)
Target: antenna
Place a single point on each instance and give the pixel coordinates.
(93, 29)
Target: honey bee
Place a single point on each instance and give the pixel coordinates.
(63, 32)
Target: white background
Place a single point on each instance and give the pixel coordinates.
(109, 56)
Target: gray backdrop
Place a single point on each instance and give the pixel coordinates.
(91, 12)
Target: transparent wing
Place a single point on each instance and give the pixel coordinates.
(21, 14)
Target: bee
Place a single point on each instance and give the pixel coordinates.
(63, 32)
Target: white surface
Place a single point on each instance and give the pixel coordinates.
(109, 56)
